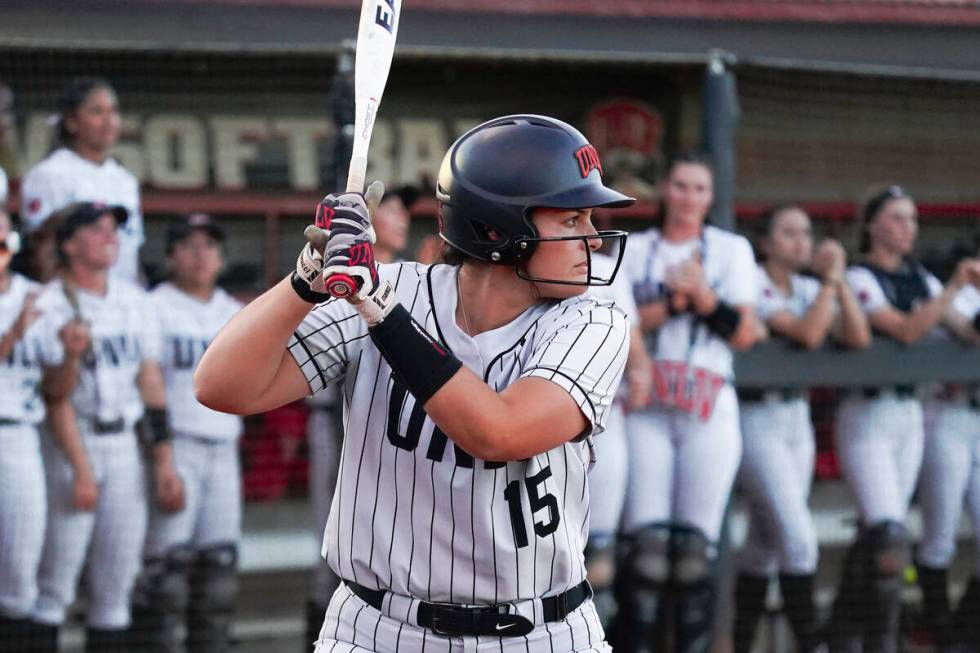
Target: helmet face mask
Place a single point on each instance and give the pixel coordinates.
(530, 245)
(496, 174)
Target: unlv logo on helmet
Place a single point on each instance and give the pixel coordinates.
(588, 160)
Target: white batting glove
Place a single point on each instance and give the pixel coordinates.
(307, 280)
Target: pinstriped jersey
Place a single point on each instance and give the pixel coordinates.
(417, 515)
(123, 334)
(188, 325)
(20, 371)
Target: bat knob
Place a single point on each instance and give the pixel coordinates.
(341, 285)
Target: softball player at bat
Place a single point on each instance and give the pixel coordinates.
(609, 475)
(695, 286)
(325, 425)
(472, 393)
(777, 434)
(191, 556)
(879, 433)
(96, 495)
(950, 475)
(81, 169)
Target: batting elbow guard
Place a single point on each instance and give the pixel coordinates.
(724, 320)
(153, 426)
(420, 362)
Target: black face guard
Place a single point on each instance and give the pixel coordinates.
(529, 244)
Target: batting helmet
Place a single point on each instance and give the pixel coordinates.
(496, 173)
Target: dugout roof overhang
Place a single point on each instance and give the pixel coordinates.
(913, 38)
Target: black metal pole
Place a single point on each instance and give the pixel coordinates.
(342, 113)
(721, 115)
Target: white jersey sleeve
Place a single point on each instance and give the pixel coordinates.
(739, 284)
(585, 353)
(3, 187)
(44, 190)
(772, 300)
(151, 338)
(866, 288)
(934, 285)
(967, 302)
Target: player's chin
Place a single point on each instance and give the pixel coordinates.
(561, 290)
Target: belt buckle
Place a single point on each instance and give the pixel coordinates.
(112, 426)
(494, 621)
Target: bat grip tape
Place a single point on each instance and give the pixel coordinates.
(415, 357)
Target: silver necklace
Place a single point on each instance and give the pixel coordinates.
(459, 300)
(466, 322)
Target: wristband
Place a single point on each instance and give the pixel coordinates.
(304, 291)
(154, 426)
(723, 320)
(421, 363)
(976, 321)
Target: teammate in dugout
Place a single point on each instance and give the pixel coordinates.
(777, 434)
(472, 393)
(96, 494)
(951, 475)
(25, 351)
(191, 556)
(879, 435)
(81, 169)
(695, 286)
(608, 480)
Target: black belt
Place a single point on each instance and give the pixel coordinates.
(108, 428)
(761, 394)
(492, 620)
(9, 421)
(900, 391)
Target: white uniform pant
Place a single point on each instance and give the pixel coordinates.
(325, 445)
(879, 445)
(212, 511)
(22, 517)
(112, 536)
(608, 477)
(353, 626)
(775, 476)
(950, 475)
(682, 468)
